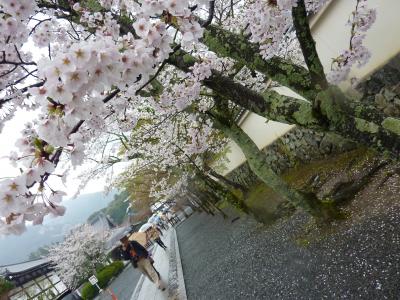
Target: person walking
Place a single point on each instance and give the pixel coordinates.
(140, 259)
(158, 238)
(164, 221)
(153, 233)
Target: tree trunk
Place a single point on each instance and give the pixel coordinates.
(203, 206)
(229, 182)
(4, 296)
(238, 47)
(336, 113)
(222, 193)
(258, 164)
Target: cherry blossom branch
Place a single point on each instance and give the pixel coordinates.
(176, 48)
(20, 58)
(9, 71)
(37, 24)
(23, 78)
(56, 157)
(22, 90)
(14, 63)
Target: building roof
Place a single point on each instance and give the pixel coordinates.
(26, 271)
(23, 266)
(115, 236)
(102, 222)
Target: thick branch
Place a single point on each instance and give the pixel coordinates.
(236, 46)
(336, 113)
(258, 164)
(210, 14)
(307, 45)
(270, 105)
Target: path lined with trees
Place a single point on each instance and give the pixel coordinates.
(150, 89)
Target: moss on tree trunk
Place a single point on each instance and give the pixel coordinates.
(258, 164)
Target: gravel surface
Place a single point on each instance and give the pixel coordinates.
(356, 259)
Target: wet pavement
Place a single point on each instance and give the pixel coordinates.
(248, 260)
(124, 285)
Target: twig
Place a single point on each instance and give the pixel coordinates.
(176, 48)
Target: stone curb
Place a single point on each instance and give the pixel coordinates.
(181, 279)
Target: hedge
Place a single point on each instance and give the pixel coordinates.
(5, 285)
(104, 276)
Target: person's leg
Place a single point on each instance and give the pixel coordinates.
(153, 273)
(158, 273)
(160, 242)
(142, 268)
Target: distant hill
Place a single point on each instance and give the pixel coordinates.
(17, 248)
(116, 209)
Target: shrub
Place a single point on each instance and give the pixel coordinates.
(89, 291)
(104, 276)
(5, 286)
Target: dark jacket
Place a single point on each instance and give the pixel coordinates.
(134, 252)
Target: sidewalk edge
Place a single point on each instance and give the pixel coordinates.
(181, 279)
(138, 288)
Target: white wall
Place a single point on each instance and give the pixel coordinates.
(261, 131)
(331, 35)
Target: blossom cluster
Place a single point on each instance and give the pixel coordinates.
(162, 190)
(13, 34)
(87, 62)
(17, 203)
(94, 64)
(361, 20)
(78, 255)
(270, 23)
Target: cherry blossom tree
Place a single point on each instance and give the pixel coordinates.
(77, 257)
(92, 69)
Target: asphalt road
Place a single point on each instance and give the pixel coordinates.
(247, 260)
(124, 285)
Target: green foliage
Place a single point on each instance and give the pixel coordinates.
(104, 276)
(39, 253)
(92, 5)
(116, 209)
(5, 285)
(89, 291)
(392, 124)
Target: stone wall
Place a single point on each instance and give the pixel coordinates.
(299, 145)
(381, 89)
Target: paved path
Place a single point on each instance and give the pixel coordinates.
(124, 285)
(168, 265)
(246, 260)
(146, 289)
(132, 285)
